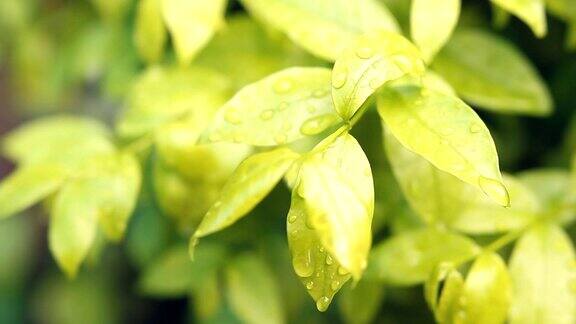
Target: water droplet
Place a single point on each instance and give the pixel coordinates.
(282, 106)
(308, 222)
(342, 271)
(317, 124)
(475, 128)
(335, 285)
(339, 79)
(365, 52)
(217, 203)
(323, 303)
(232, 116)
(267, 114)
(283, 85)
(495, 190)
(303, 264)
(329, 260)
(375, 83)
(319, 93)
(311, 109)
(292, 218)
(280, 138)
(310, 285)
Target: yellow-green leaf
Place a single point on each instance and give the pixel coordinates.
(323, 27)
(150, 32)
(253, 292)
(192, 23)
(532, 12)
(336, 184)
(249, 184)
(449, 298)
(360, 304)
(410, 257)
(497, 78)
(487, 292)
(543, 270)
(370, 61)
(27, 186)
(432, 23)
(446, 132)
(440, 197)
(281, 108)
(316, 268)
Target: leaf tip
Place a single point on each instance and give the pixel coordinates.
(496, 190)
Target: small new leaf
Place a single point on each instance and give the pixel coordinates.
(446, 132)
(336, 184)
(370, 61)
(249, 184)
(281, 108)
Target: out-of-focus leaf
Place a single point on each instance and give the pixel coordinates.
(532, 12)
(370, 61)
(497, 78)
(249, 184)
(27, 186)
(440, 197)
(74, 223)
(336, 184)
(252, 291)
(281, 108)
(192, 23)
(323, 27)
(164, 94)
(446, 132)
(360, 304)
(565, 9)
(432, 23)
(150, 33)
(173, 274)
(543, 270)
(409, 258)
(317, 269)
(207, 297)
(17, 254)
(448, 303)
(112, 10)
(487, 292)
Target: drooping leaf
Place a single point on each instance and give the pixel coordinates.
(74, 224)
(442, 198)
(409, 258)
(164, 94)
(497, 78)
(192, 23)
(360, 304)
(446, 132)
(487, 292)
(281, 108)
(532, 12)
(371, 60)
(432, 23)
(336, 184)
(323, 27)
(316, 268)
(27, 186)
(249, 283)
(150, 32)
(249, 184)
(543, 268)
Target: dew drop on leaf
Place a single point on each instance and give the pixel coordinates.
(329, 260)
(283, 86)
(282, 106)
(339, 79)
(475, 128)
(322, 303)
(310, 285)
(280, 138)
(303, 264)
(335, 284)
(267, 114)
(233, 117)
(342, 271)
(495, 190)
(365, 52)
(317, 124)
(291, 218)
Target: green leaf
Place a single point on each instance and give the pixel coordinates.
(150, 33)
(370, 61)
(487, 292)
(336, 184)
(449, 299)
(565, 9)
(252, 291)
(164, 94)
(360, 304)
(432, 23)
(410, 257)
(543, 270)
(74, 223)
(497, 78)
(251, 182)
(27, 186)
(316, 268)
(532, 12)
(323, 27)
(446, 132)
(281, 108)
(432, 284)
(442, 198)
(112, 10)
(192, 23)
(173, 274)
